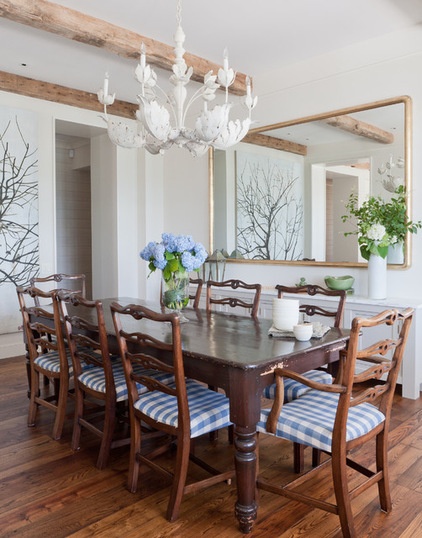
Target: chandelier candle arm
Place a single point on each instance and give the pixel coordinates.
(154, 130)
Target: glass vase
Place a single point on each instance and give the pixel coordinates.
(175, 292)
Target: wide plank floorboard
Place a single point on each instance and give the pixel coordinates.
(47, 490)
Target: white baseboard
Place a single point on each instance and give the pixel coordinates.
(11, 345)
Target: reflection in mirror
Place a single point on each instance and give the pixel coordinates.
(280, 194)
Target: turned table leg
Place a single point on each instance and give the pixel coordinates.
(245, 462)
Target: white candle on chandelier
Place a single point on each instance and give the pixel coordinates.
(143, 57)
(248, 86)
(226, 60)
(105, 87)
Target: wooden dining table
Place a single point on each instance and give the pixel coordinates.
(236, 354)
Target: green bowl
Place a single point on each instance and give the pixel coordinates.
(339, 282)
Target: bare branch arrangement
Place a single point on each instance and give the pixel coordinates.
(19, 257)
(269, 213)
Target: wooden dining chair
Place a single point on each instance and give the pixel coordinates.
(184, 409)
(101, 391)
(224, 298)
(293, 389)
(196, 297)
(48, 354)
(75, 283)
(342, 417)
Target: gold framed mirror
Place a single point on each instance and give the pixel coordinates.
(279, 195)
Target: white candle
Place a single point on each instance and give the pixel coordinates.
(143, 58)
(226, 60)
(248, 86)
(105, 88)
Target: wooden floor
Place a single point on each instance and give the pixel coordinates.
(49, 491)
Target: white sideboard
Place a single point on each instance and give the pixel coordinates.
(411, 374)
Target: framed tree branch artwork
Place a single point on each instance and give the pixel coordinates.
(19, 253)
(269, 206)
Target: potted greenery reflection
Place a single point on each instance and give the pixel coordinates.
(380, 224)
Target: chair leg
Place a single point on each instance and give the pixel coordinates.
(316, 457)
(79, 411)
(231, 434)
(61, 410)
(179, 480)
(339, 469)
(298, 457)
(382, 465)
(33, 407)
(107, 437)
(135, 448)
(213, 436)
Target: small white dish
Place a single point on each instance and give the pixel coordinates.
(303, 331)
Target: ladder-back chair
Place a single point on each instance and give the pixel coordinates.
(184, 409)
(342, 417)
(224, 298)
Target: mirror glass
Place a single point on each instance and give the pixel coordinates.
(279, 195)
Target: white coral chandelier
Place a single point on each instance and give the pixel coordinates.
(156, 132)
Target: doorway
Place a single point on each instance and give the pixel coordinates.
(73, 199)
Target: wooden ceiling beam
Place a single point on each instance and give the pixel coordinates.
(275, 143)
(72, 24)
(61, 94)
(360, 128)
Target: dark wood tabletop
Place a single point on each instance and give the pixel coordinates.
(237, 354)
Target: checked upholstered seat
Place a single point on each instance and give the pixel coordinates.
(95, 380)
(208, 410)
(309, 420)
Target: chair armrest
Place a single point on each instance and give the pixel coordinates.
(283, 372)
(279, 373)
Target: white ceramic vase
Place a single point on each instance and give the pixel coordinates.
(396, 253)
(377, 277)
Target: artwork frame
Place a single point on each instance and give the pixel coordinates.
(19, 235)
(269, 195)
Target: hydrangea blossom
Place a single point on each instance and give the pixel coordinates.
(174, 254)
(376, 232)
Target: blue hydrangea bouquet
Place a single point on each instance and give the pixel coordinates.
(176, 256)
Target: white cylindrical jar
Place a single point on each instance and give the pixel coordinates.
(285, 314)
(377, 277)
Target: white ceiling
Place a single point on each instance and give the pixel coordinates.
(260, 36)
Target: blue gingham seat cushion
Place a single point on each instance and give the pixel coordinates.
(50, 361)
(294, 389)
(95, 379)
(309, 420)
(209, 410)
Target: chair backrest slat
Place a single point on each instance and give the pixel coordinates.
(196, 297)
(86, 333)
(224, 297)
(144, 342)
(383, 357)
(311, 310)
(73, 283)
